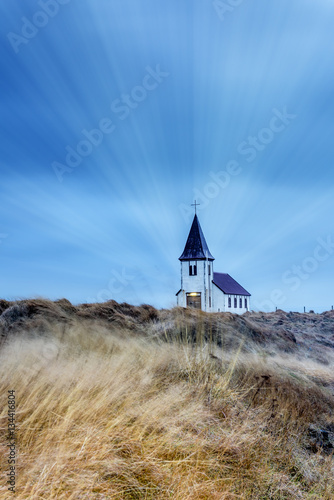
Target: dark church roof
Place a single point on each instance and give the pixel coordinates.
(228, 285)
(196, 247)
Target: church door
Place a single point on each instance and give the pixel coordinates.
(194, 300)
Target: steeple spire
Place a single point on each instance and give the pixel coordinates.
(196, 247)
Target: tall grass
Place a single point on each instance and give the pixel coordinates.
(112, 416)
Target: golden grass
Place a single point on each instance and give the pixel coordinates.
(109, 416)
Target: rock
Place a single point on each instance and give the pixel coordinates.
(321, 439)
(14, 313)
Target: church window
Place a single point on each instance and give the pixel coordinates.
(209, 268)
(229, 302)
(192, 270)
(209, 301)
(235, 303)
(246, 303)
(240, 302)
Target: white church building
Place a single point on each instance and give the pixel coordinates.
(203, 288)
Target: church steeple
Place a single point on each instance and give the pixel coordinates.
(196, 247)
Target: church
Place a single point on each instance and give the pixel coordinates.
(203, 288)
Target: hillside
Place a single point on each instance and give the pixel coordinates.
(306, 335)
(124, 402)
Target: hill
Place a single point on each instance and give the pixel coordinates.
(305, 335)
(118, 401)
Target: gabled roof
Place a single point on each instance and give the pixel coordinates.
(228, 285)
(196, 247)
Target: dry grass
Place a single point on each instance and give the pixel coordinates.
(106, 415)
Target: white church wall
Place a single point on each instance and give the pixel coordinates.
(209, 284)
(221, 302)
(200, 283)
(238, 309)
(180, 299)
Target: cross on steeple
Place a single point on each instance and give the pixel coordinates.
(195, 205)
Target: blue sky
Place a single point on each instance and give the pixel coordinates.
(117, 114)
